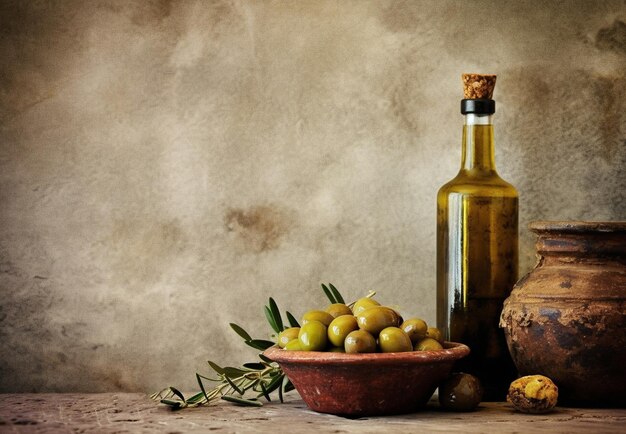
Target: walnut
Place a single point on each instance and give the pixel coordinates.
(533, 394)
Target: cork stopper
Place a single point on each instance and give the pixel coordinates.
(478, 86)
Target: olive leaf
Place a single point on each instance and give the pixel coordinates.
(217, 368)
(288, 386)
(292, 320)
(280, 392)
(260, 344)
(333, 294)
(265, 358)
(276, 315)
(174, 404)
(233, 385)
(199, 378)
(241, 332)
(177, 392)
(264, 393)
(231, 372)
(329, 294)
(242, 401)
(254, 365)
(274, 384)
(195, 398)
(270, 319)
(337, 294)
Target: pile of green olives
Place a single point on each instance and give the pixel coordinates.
(367, 327)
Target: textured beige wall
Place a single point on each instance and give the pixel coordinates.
(167, 166)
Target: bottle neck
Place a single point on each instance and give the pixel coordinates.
(478, 144)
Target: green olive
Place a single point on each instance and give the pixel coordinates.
(293, 345)
(336, 350)
(360, 341)
(394, 340)
(313, 336)
(338, 309)
(460, 392)
(428, 344)
(434, 333)
(400, 319)
(376, 318)
(415, 328)
(340, 328)
(287, 335)
(317, 315)
(363, 304)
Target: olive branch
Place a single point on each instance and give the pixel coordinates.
(248, 384)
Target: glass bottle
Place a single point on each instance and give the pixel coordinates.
(477, 253)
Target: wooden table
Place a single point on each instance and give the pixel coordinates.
(136, 413)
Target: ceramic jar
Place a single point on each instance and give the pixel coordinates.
(566, 319)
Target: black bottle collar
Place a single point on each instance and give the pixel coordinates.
(478, 106)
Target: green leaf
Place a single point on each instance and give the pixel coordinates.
(241, 332)
(199, 378)
(270, 319)
(329, 294)
(176, 392)
(293, 322)
(260, 344)
(231, 372)
(265, 358)
(196, 398)
(276, 314)
(274, 384)
(280, 389)
(174, 404)
(255, 366)
(217, 368)
(289, 385)
(264, 393)
(234, 386)
(337, 294)
(242, 401)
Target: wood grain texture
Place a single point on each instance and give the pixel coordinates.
(133, 412)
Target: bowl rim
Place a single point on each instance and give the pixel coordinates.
(452, 351)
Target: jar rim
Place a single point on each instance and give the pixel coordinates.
(548, 226)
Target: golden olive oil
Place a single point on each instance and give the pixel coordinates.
(477, 257)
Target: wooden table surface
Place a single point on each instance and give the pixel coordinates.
(136, 413)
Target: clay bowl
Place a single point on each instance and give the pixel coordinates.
(367, 384)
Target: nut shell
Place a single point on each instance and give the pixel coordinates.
(533, 394)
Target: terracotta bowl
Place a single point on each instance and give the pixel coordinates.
(367, 384)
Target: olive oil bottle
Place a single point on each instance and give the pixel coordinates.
(477, 246)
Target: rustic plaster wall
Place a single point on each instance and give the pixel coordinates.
(166, 166)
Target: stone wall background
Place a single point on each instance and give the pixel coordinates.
(166, 166)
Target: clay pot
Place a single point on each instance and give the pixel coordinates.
(566, 319)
